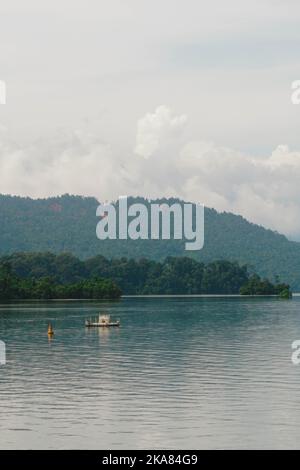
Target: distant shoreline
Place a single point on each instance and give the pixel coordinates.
(150, 296)
(203, 295)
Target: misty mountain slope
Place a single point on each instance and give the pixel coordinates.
(68, 224)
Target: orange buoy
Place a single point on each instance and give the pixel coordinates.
(50, 330)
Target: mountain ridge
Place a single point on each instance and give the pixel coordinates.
(67, 223)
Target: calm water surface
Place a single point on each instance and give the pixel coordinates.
(178, 373)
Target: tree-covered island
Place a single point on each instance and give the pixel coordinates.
(63, 276)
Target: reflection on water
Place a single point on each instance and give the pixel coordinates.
(177, 373)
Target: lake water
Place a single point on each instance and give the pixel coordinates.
(179, 373)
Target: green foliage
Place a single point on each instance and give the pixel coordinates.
(285, 294)
(48, 276)
(68, 223)
(13, 288)
(257, 286)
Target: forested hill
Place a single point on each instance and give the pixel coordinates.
(68, 224)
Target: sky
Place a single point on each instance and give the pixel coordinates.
(183, 98)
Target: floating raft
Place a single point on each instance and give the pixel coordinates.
(102, 321)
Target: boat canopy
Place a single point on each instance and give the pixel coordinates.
(104, 318)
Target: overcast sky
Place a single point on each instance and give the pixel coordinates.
(184, 98)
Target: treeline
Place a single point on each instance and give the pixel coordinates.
(68, 223)
(46, 275)
(13, 287)
(257, 286)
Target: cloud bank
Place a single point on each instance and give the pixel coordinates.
(161, 162)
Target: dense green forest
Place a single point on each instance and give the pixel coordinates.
(257, 286)
(13, 287)
(68, 224)
(46, 275)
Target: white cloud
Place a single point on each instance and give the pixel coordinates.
(227, 64)
(154, 129)
(263, 189)
(76, 162)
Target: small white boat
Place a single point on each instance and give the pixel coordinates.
(103, 320)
